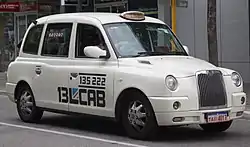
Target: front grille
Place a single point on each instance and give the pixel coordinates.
(211, 89)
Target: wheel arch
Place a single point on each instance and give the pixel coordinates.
(122, 96)
(20, 84)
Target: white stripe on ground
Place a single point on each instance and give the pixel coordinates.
(244, 119)
(72, 135)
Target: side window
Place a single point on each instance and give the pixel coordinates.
(88, 35)
(32, 40)
(57, 40)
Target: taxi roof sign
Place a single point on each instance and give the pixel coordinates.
(133, 15)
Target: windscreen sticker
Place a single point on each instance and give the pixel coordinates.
(55, 34)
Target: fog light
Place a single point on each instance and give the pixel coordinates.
(243, 100)
(178, 119)
(239, 113)
(176, 105)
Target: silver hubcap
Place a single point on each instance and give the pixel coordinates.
(137, 115)
(26, 103)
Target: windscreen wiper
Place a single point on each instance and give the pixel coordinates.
(142, 54)
(177, 53)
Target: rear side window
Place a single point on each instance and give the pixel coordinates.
(57, 40)
(32, 40)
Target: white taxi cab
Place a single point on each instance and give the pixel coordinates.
(128, 67)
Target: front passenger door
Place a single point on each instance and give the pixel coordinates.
(91, 79)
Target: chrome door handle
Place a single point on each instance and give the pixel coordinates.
(74, 75)
(38, 70)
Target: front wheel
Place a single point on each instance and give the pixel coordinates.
(26, 107)
(138, 117)
(216, 127)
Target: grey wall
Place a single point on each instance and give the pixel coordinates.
(233, 32)
(191, 27)
(164, 11)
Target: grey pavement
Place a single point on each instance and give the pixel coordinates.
(29, 138)
(191, 136)
(104, 131)
(2, 80)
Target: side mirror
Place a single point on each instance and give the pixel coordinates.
(186, 49)
(95, 52)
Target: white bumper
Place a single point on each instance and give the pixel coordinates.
(165, 113)
(10, 90)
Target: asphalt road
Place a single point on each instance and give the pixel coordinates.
(56, 130)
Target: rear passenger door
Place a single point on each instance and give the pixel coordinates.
(52, 68)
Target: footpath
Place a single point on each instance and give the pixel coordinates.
(2, 82)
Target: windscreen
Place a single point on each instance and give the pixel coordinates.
(133, 39)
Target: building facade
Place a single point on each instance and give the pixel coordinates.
(191, 24)
(16, 15)
(232, 32)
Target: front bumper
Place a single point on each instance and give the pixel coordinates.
(165, 113)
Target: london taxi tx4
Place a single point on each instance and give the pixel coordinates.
(126, 66)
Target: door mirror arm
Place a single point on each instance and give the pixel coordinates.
(107, 55)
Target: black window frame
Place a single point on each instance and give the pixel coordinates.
(49, 25)
(24, 49)
(77, 40)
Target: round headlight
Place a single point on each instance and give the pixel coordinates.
(236, 79)
(171, 83)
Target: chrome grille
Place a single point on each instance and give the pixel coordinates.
(211, 89)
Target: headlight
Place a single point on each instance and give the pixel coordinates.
(236, 79)
(171, 83)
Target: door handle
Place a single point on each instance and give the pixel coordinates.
(38, 70)
(74, 75)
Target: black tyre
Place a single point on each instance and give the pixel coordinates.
(26, 106)
(138, 118)
(216, 127)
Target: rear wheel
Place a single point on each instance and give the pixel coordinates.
(26, 107)
(138, 117)
(216, 127)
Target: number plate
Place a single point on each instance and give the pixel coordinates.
(217, 117)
